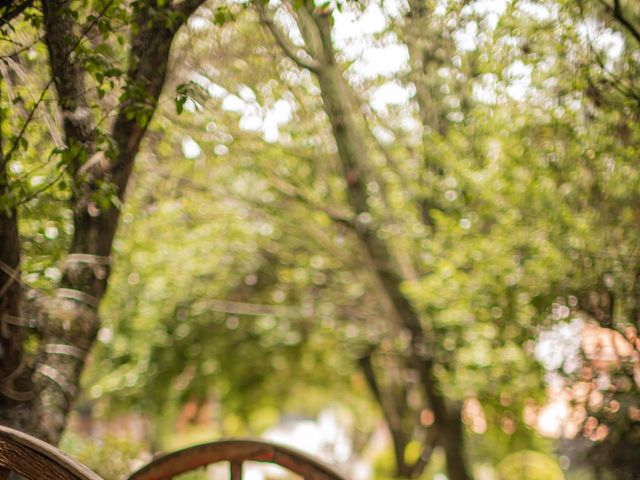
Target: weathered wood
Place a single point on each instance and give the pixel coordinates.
(37, 460)
(235, 452)
(235, 470)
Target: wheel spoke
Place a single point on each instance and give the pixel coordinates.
(235, 469)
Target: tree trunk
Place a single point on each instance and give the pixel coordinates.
(316, 31)
(393, 419)
(68, 322)
(351, 150)
(11, 355)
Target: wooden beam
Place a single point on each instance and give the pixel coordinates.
(235, 470)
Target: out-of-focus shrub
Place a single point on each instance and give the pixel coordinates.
(111, 457)
(529, 465)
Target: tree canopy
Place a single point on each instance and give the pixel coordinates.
(425, 211)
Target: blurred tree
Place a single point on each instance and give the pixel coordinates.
(475, 299)
(419, 232)
(606, 278)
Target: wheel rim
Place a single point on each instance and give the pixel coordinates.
(236, 452)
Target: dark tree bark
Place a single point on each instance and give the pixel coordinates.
(394, 409)
(68, 322)
(10, 294)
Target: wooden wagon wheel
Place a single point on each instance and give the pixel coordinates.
(37, 460)
(235, 452)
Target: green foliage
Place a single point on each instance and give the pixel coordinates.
(189, 91)
(529, 465)
(222, 15)
(234, 283)
(113, 458)
(521, 221)
(40, 167)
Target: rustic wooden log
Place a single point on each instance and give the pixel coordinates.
(37, 460)
(235, 452)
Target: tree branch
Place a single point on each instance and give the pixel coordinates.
(246, 308)
(10, 9)
(295, 193)
(186, 8)
(61, 55)
(421, 463)
(285, 44)
(618, 13)
(354, 159)
(19, 47)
